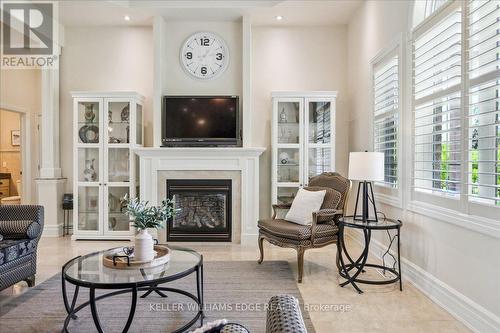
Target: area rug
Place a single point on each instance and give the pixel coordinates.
(235, 290)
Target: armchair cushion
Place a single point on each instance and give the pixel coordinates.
(331, 201)
(19, 229)
(288, 230)
(303, 205)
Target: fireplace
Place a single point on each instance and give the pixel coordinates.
(203, 210)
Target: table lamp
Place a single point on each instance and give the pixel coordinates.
(366, 167)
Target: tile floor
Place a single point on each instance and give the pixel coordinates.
(379, 309)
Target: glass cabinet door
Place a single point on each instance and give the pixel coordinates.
(118, 122)
(288, 138)
(88, 160)
(121, 115)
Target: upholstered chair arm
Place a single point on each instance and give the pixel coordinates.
(21, 221)
(284, 315)
(278, 207)
(322, 213)
(328, 212)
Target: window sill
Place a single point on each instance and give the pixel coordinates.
(390, 200)
(479, 224)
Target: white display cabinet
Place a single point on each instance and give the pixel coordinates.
(303, 140)
(107, 126)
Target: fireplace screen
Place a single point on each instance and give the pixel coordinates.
(203, 210)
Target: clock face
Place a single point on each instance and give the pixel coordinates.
(204, 55)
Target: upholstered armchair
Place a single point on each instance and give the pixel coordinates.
(322, 231)
(21, 227)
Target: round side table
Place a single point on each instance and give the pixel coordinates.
(351, 269)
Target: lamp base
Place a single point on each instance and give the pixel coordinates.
(367, 200)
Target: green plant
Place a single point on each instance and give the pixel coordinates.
(475, 170)
(445, 157)
(146, 216)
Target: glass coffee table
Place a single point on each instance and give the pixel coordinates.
(89, 272)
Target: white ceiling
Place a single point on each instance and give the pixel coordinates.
(296, 13)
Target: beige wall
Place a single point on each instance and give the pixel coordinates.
(465, 260)
(301, 58)
(21, 89)
(109, 59)
(296, 58)
(10, 156)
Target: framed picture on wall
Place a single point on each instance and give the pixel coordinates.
(15, 138)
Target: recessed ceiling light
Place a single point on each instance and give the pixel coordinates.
(126, 18)
(279, 18)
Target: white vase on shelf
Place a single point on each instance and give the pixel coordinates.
(144, 246)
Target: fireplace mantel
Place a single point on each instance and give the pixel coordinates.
(245, 160)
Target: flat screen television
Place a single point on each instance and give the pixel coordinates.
(201, 121)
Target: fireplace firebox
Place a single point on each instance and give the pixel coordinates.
(203, 210)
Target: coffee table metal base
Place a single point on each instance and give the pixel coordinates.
(72, 310)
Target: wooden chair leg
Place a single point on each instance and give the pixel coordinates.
(30, 281)
(261, 248)
(300, 261)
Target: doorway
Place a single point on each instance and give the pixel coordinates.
(15, 157)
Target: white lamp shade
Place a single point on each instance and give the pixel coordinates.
(367, 166)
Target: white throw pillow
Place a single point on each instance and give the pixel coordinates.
(304, 204)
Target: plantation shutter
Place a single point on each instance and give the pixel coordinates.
(484, 101)
(386, 122)
(436, 106)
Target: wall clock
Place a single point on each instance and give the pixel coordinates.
(204, 55)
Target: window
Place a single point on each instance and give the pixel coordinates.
(484, 102)
(456, 104)
(437, 100)
(386, 115)
(425, 8)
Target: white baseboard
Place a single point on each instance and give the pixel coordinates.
(99, 237)
(52, 230)
(471, 314)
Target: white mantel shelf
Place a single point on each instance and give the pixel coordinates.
(242, 159)
(200, 151)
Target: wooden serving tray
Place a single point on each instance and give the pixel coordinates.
(120, 260)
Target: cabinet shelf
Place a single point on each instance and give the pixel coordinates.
(119, 123)
(287, 184)
(288, 145)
